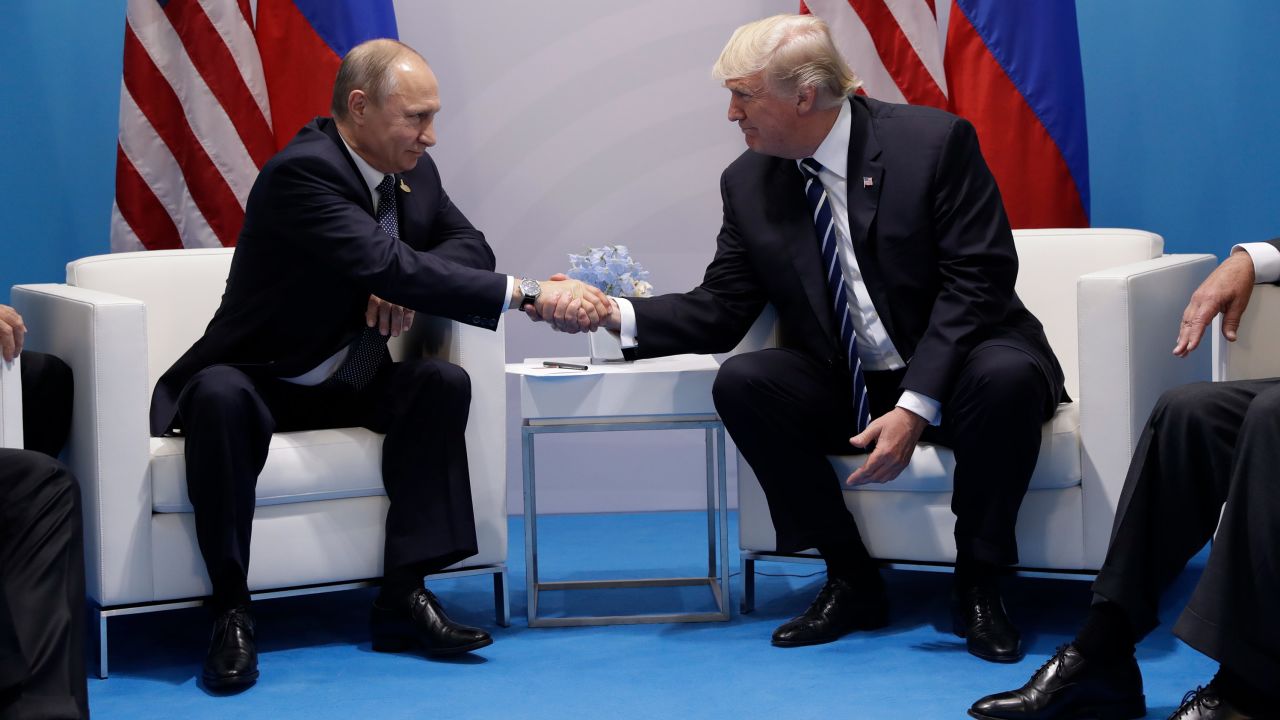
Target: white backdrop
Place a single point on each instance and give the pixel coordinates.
(575, 123)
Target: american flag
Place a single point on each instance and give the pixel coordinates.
(894, 46)
(195, 124)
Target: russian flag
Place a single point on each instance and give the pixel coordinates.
(1013, 70)
(302, 43)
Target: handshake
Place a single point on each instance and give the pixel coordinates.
(572, 306)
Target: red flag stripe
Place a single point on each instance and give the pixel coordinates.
(213, 60)
(1028, 165)
(141, 209)
(899, 57)
(157, 100)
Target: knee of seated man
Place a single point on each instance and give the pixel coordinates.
(441, 381)
(737, 377)
(219, 388)
(1265, 406)
(44, 477)
(1185, 400)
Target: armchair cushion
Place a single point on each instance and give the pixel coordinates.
(301, 467)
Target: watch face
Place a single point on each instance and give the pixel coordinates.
(530, 289)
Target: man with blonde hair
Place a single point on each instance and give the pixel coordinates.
(347, 232)
(877, 233)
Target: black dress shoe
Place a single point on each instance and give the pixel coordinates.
(978, 616)
(837, 611)
(1070, 687)
(232, 662)
(1206, 704)
(423, 622)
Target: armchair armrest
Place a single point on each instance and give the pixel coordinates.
(1256, 352)
(103, 338)
(11, 403)
(1128, 320)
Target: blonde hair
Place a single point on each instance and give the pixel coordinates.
(367, 67)
(795, 51)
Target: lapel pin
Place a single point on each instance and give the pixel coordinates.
(406, 187)
(866, 182)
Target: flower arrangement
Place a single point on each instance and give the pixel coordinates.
(612, 270)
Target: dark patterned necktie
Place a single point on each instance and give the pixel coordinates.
(368, 352)
(837, 288)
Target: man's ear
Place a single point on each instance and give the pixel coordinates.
(357, 104)
(806, 99)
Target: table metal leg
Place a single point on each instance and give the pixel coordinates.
(530, 525)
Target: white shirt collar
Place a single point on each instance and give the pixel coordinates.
(833, 153)
(372, 176)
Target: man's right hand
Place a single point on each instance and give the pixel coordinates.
(570, 306)
(12, 332)
(1226, 291)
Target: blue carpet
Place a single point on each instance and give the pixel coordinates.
(316, 662)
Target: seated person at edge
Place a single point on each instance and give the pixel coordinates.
(877, 233)
(347, 233)
(1208, 451)
(42, 596)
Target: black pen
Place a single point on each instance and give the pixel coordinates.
(564, 365)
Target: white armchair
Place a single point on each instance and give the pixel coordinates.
(119, 322)
(1256, 352)
(11, 403)
(1110, 303)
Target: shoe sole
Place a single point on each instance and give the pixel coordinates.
(401, 644)
(223, 684)
(1131, 710)
(874, 625)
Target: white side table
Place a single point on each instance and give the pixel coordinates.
(672, 393)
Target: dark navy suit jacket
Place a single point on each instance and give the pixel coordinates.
(311, 253)
(930, 234)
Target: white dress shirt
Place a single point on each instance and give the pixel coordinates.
(1266, 261)
(875, 349)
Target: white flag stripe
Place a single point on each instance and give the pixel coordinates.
(159, 170)
(859, 50)
(209, 122)
(123, 238)
(922, 31)
(236, 33)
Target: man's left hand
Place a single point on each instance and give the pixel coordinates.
(895, 435)
(389, 318)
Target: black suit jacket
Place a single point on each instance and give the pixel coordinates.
(931, 238)
(310, 254)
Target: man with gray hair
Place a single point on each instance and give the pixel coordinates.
(877, 233)
(347, 233)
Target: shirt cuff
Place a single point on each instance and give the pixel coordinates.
(922, 405)
(506, 299)
(627, 333)
(1266, 261)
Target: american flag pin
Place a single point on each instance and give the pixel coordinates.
(405, 187)
(867, 182)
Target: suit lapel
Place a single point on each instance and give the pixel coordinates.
(797, 233)
(330, 128)
(866, 175)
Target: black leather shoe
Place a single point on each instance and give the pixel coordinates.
(837, 611)
(1206, 704)
(1070, 687)
(978, 616)
(423, 622)
(232, 662)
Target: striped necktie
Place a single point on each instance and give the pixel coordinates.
(368, 352)
(837, 288)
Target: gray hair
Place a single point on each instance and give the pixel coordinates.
(795, 51)
(367, 67)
